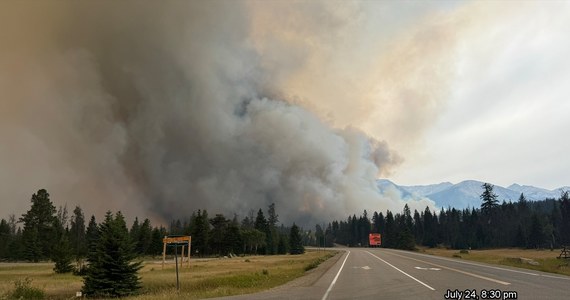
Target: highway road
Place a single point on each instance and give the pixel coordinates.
(368, 273)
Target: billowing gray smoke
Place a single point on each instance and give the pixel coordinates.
(159, 110)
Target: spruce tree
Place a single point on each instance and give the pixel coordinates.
(92, 238)
(62, 255)
(77, 237)
(155, 247)
(489, 198)
(144, 238)
(38, 233)
(112, 271)
(295, 241)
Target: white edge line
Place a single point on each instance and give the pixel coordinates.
(336, 277)
(475, 264)
(429, 287)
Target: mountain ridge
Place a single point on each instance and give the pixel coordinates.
(466, 193)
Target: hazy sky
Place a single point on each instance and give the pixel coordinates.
(161, 109)
(506, 117)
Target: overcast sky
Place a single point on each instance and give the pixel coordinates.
(506, 116)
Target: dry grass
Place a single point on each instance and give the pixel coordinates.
(204, 278)
(545, 260)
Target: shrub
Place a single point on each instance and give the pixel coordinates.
(24, 290)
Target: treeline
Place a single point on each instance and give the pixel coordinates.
(254, 234)
(46, 233)
(525, 224)
(107, 254)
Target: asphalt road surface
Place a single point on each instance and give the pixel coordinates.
(368, 273)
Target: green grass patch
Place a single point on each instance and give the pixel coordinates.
(538, 260)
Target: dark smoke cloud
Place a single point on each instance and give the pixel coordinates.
(159, 110)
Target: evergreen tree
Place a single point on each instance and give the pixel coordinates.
(5, 238)
(16, 246)
(135, 231)
(564, 228)
(272, 216)
(112, 271)
(218, 235)
(390, 236)
(536, 236)
(61, 254)
(144, 237)
(262, 225)
(155, 247)
(283, 245)
(271, 231)
(234, 237)
(200, 232)
(38, 234)
(92, 238)
(77, 237)
(295, 241)
(489, 198)
(520, 238)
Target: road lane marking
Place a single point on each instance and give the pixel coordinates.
(555, 277)
(430, 269)
(456, 270)
(474, 264)
(429, 287)
(336, 277)
(365, 268)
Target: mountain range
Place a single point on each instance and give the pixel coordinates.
(466, 193)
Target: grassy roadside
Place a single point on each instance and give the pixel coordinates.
(539, 260)
(204, 278)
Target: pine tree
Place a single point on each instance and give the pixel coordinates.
(295, 241)
(112, 271)
(38, 234)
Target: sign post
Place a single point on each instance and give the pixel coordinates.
(175, 241)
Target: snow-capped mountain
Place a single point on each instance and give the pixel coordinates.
(532, 192)
(466, 193)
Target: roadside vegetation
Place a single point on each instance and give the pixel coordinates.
(539, 260)
(205, 278)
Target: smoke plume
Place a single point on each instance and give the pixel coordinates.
(161, 109)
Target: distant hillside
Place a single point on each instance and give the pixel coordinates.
(466, 193)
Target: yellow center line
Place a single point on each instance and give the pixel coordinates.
(455, 270)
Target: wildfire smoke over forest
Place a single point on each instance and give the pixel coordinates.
(161, 109)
